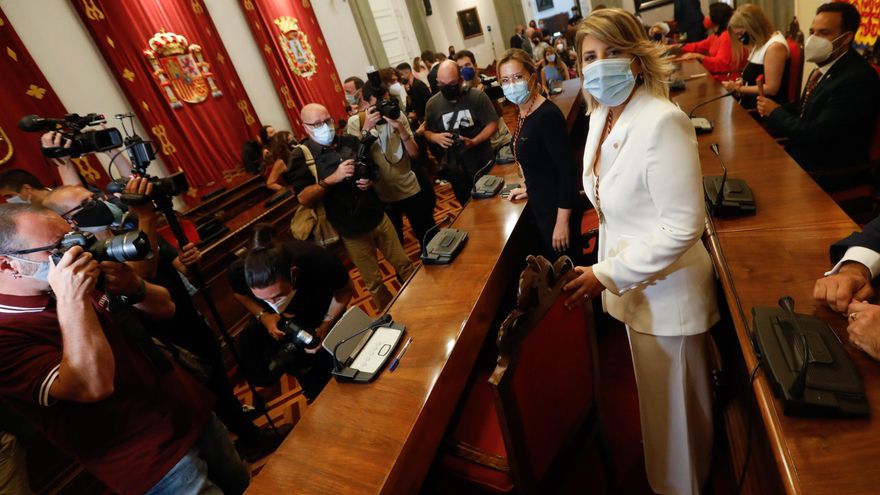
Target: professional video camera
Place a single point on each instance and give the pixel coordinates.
(71, 127)
(296, 339)
(130, 246)
(141, 154)
(364, 168)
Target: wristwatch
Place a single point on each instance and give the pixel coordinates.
(259, 315)
(138, 297)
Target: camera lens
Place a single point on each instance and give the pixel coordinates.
(131, 246)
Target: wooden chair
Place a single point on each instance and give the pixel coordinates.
(518, 424)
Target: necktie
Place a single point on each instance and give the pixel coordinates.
(811, 85)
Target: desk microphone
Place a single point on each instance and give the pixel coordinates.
(341, 371)
(486, 186)
(702, 125)
(727, 197)
(800, 382)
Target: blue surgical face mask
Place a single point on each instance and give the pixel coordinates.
(117, 212)
(17, 200)
(609, 81)
(468, 73)
(42, 271)
(517, 92)
(323, 135)
(351, 99)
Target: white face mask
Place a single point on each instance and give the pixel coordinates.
(551, 58)
(322, 135)
(818, 50)
(560, 47)
(282, 303)
(395, 89)
(17, 200)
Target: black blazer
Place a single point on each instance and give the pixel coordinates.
(869, 238)
(516, 41)
(839, 119)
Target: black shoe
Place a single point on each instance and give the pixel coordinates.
(264, 443)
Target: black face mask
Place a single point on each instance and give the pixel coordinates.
(451, 91)
(95, 214)
(744, 39)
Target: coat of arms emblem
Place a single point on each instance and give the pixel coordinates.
(180, 69)
(297, 51)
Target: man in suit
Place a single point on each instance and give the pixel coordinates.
(430, 60)
(689, 19)
(516, 41)
(831, 125)
(847, 286)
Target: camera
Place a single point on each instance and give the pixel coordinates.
(388, 108)
(364, 168)
(71, 127)
(130, 246)
(173, 185)
(296, 340)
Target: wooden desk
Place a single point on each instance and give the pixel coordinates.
(781, 251)
(382, 437)
(570, 101)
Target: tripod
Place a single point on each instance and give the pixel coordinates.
(164, 205)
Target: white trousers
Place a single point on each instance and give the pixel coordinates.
(675, 406)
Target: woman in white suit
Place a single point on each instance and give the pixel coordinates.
(642, 173)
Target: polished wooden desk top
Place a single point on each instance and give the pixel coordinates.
(569, 101)
(382, 437)
(781, 251)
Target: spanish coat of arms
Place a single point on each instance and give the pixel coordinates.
(297, 50)
(180, 69)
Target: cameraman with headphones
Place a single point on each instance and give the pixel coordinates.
(397, 185)
(289, 286)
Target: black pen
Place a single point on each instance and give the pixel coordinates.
(400, 355)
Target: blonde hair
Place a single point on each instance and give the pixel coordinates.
(754, 21)
(524, 59)
(620, 29)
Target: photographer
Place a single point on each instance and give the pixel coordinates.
(296, 282)
(135, 422)
(186, 334)
(397, 185)
(352, 206)
(460, 122)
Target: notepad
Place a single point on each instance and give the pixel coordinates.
(377, 349)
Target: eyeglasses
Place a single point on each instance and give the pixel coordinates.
(505, 81)
(315, 125)
(50, 247)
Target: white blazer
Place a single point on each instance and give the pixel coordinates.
(658, 275)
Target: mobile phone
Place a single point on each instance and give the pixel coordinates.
(507, 188)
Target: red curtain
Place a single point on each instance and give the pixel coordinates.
(181, 84)
(24, 91)
(296, 55)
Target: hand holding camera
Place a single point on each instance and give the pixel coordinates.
(120, 279)
(54, 139)
(270, 321)
(373, 118)
(342, 172)
(74, 276)
(443, 139)
(140, 186)
(190, 255)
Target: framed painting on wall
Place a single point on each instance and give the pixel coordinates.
(469, 20)
(544, 5)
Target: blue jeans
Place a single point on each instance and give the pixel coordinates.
(211, 466)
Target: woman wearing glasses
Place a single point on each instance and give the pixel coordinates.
(542, 149)
(642, 173)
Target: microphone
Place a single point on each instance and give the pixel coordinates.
(477, 175)
(341, 371)
(710, 100)
(720, 194)
(35, 123)
(800, 382)
(425, 237)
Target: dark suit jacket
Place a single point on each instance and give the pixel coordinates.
(838, 123)
(516, 41)
(869, 238)
(432, 78)
(419, 95)
(689, 19)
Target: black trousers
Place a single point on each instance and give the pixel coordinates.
(419, 210)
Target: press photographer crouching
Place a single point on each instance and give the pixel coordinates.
(186, 336)
(74, 360)
(397, 185)
(296, 292)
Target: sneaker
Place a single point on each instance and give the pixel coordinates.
(263, 444)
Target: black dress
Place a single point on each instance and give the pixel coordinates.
(544, 153)
(750, 75)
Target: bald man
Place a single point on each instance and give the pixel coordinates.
(352, 206)
(460, 122)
